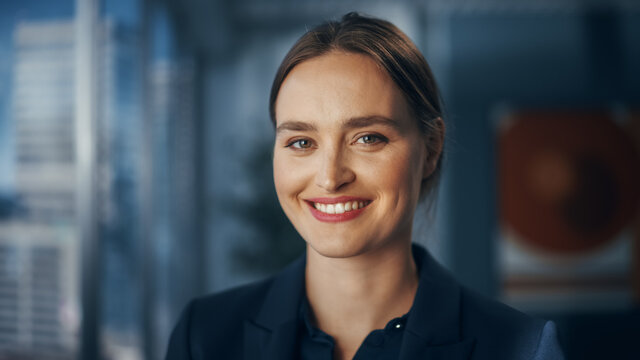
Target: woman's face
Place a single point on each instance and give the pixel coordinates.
(349, 157)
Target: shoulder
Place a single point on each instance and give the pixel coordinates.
(213, 324)
(497, 331)
(238, 303)
(500, 329)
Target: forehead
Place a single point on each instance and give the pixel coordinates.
(338, 86)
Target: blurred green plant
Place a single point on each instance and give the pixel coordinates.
(279, 242)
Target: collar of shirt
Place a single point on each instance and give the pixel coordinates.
(315, 344)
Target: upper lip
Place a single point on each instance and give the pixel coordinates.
(336, 200)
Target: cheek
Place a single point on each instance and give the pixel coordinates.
(287, 177)
(279, 175)
(397, 174)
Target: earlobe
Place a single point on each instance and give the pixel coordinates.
(434, 142)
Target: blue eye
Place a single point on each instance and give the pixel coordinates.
(300, 144)
(370, 139)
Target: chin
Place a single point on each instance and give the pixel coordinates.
(337, 248)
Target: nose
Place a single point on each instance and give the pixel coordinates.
(334, 172)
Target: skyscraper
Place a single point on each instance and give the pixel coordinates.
(40, 249)
(38, 260)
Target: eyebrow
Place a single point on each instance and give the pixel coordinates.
(295, 126)
(351, 123)
(364, 121)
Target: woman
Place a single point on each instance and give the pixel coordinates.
(359, 137)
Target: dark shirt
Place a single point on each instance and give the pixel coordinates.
(315, 344)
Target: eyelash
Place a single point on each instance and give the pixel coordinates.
(378, 139)
(293, 142)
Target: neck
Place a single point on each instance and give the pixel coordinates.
(352, 296)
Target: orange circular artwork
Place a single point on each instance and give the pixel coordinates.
(569, 182)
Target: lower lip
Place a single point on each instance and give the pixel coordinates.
(345, 216)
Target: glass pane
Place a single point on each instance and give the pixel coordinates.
(118, 144)
(174, 229)
(39, 310)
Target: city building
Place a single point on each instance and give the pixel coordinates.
(40, 266)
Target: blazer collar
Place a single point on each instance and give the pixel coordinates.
(272, 335)
(282, 302)
(433, 327)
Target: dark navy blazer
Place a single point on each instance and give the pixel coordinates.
(447, 321)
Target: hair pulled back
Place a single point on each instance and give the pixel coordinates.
(389, 48)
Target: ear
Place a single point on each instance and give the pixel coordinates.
(434, 142)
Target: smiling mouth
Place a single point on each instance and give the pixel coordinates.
(341, 207)
(337, 209)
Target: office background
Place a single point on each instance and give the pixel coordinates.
(135, 165)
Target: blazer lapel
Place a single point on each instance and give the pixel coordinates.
(433, 327)
(273, 333)
(266, 344)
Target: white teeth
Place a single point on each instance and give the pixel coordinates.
(340, 208)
